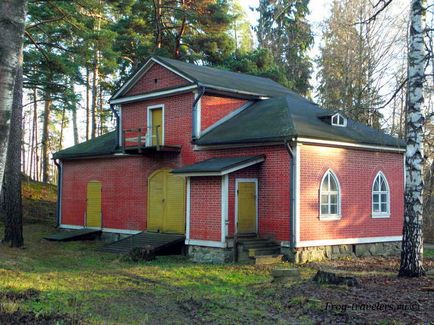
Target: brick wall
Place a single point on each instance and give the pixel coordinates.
(356, 170)
(214, 108)
(205, 212)
(157, 77)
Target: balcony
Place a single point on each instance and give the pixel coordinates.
(146, 139)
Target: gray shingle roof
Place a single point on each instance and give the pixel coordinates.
(100, 146)
(287, 117)
(217, 165)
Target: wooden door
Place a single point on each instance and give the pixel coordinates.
(157, 126)
(166, 202)
(93, 209)
(246, 207)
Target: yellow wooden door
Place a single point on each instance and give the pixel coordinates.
(174, 219)
(156, 184)
(246, 207)
(166, 202)
(157, 126)
(93, 209)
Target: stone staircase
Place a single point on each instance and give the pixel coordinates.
(256, 250)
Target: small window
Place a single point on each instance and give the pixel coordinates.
(380, 197)
(339, 120)
(330, 200)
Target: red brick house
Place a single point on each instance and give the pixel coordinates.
(215, 155)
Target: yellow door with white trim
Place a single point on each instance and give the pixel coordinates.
(93, 208)
(246, 207)
(166, 202)
(157, 126)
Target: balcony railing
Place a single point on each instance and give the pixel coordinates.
(141, 137)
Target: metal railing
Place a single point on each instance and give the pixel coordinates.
(141, 137)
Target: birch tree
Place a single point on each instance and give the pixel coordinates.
(412, 243)
(12, 15)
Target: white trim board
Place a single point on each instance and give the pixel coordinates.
(347, 241)
(246, 180)
(224, 208)
(112, 230)
(225, 172)
(348, 144)
(161, 93)
(205, 243)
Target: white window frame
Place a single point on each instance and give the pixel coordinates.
(339, 116)
(246, 180)
(149, 124)
(328, 216)
(386, 214)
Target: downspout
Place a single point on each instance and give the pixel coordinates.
(59, 192)
(117, 124)
(194, 111)
(292, 191)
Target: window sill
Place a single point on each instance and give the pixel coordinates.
(329, 217)
(380, 216)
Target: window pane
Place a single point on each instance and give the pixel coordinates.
(383, 185)
(376, 207)
(383, 207)
(333, 209)
(324, 209)
(333, 185)
(334, 198)
(376, 185)
(335, 119)
(324, 199)
(324, 185)
(383, 198)
(376, 198)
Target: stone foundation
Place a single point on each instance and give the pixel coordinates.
(210, 254)
(310, 254)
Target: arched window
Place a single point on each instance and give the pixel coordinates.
(339, 120)
(380, 197)
(330, 200)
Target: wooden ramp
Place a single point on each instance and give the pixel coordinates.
(161, 243)
(69, 235)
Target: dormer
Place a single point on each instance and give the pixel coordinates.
(335, 119)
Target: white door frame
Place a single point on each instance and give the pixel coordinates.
(246, 180)
(149, 124)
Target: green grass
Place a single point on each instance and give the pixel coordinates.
(76, 279)
(428, 253)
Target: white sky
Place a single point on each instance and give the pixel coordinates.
(319, 9)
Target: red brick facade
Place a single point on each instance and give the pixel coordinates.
(124, 179)
(215, 108)
(355, 170)
(157, 77)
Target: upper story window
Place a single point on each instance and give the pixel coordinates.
(339, 120)
(380, 197)
(330, 197)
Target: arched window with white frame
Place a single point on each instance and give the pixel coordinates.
(330, 197)
(380, 197)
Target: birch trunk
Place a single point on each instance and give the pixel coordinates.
(45, 135)
(13, 234)
(412, 243)
(12, 14)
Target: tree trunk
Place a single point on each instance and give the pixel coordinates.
(45, 135)
(74, 125)
(94, 96)
(87, 102)
(12, 180)
(12, 15)
(412, 242)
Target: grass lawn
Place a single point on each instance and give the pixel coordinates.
(55, 283)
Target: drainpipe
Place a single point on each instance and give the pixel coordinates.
(115, 112)
(291, 150)
(59, 192)
(194, 111)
